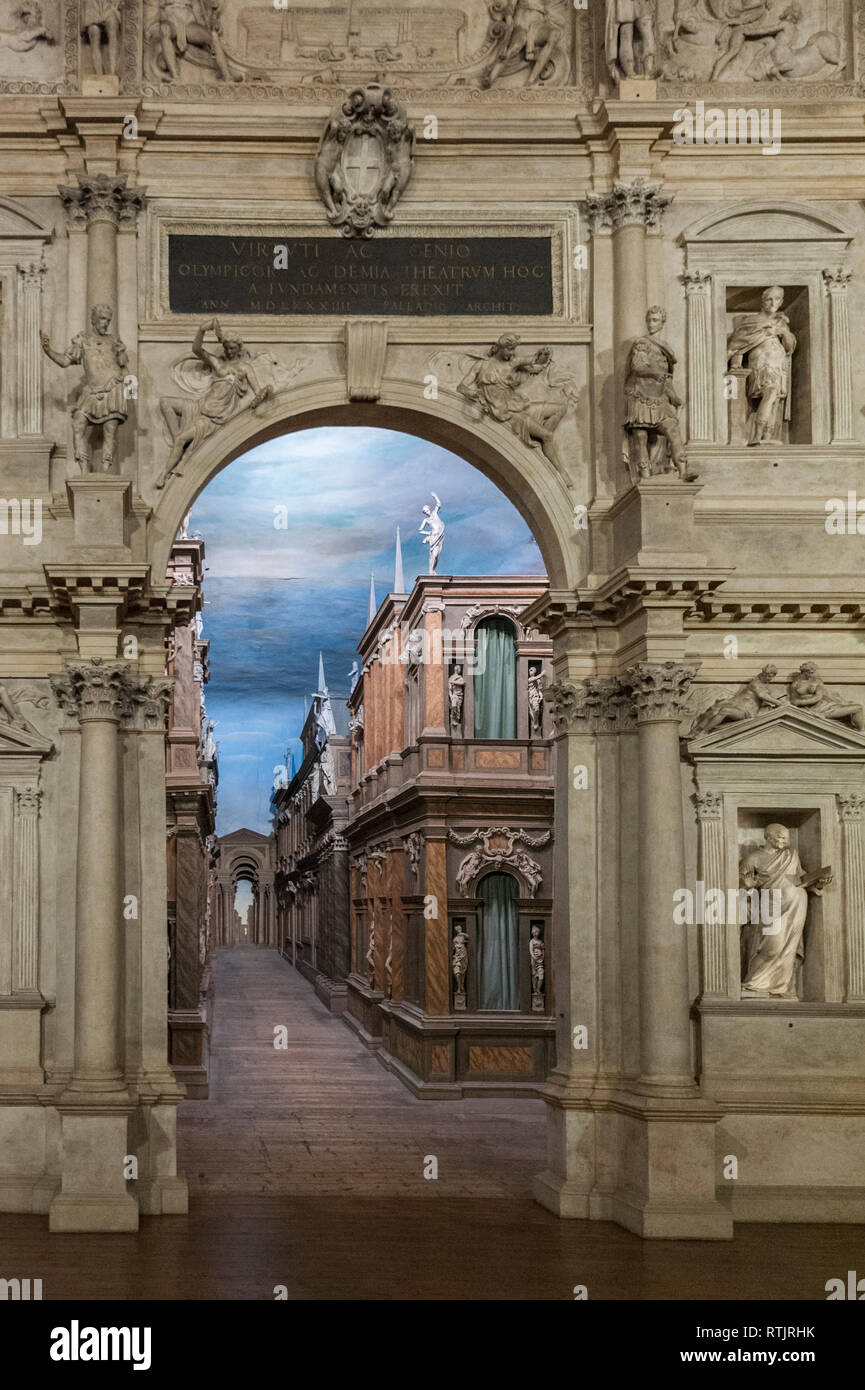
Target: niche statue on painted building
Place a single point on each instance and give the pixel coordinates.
(773, 952)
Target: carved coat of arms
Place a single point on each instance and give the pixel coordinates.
(364, 162)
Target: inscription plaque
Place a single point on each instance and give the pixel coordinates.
(507, 275)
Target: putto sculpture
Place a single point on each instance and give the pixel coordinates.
(763, 342)
(102, 399)
(652, 405)
(770, 954)
(364, 162)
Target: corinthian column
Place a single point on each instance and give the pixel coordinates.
(101, 202)
(98, 694)
(836, 282)
(850, 809)
(711, 870)
(701, 396)
(658, 691)
(25, 943)
(29, 351)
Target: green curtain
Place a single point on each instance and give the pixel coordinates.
(495, 685)
(498, 943)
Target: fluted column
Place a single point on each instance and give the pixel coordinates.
(850, 812)
(29, 350)
(701, 395)
(658, 690)
(836, 283)
(710, 807)
(25, 939)
(98, 693)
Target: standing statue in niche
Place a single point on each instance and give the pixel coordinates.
(771, 953)
(528, 35)
(537, 957)
(225, 385)
(536, 699)
(432, 528)
(765, 340)
(456, 693)
(460, 966)
(652, 405)
(807, 691)
(101, 22)
(370, 955)
(629, 40)
(190, 29)
(101, 400)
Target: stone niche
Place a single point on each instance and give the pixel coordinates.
(807, 773)
(732, 255)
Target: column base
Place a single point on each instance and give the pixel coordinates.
(94, 1195)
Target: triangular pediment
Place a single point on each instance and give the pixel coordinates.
(27, 740)
(783, 732)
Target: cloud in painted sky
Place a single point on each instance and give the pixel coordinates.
(275, 596)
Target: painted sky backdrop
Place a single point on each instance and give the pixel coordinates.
(274, 596)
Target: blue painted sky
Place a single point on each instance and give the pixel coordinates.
(275, 596)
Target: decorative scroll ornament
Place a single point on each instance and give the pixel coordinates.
(499, 848)
(365, 160)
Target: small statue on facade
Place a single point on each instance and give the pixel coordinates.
(101, 23)
(536, 699)
(231, 385)
(537, 956)
(456, 693)
(747, 702)
(101, 400)
(629, 38)
(771, 953)
(370, 955)
(460, 965)
(528, 35)
(432, 528)
(807, 691)
(652, 405)
(353, 676)
(190, 29)
(764, 338)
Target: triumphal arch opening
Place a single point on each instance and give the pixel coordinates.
(613, 254)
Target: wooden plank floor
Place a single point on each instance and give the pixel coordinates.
(306, 1170)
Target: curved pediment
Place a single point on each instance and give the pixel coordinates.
(783, 732)
(19, 222)
(766, 221)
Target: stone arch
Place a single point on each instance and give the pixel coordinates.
(522, 474)
(801, 221)
(246, 855)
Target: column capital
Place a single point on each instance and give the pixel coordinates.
(697, 281)
(632, 203)
(709, 805)
(101, 198)
(850, 807)
(27, 801)
(93, 689)
(592, 706)
(30, 275)
(658, 689)
(149, 701)
(837, 281)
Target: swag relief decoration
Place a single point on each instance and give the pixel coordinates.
(499, 848)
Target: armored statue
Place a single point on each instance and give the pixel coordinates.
(652, 405)
(101, 400)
